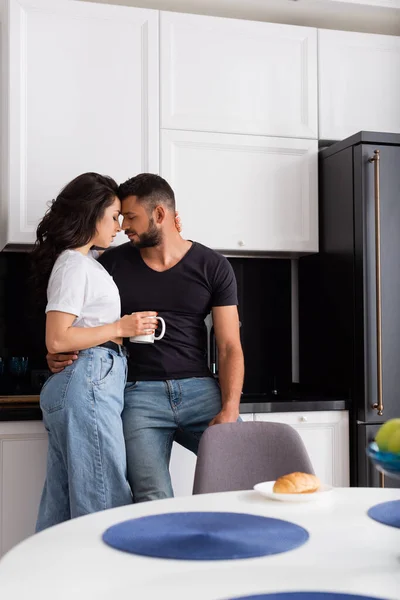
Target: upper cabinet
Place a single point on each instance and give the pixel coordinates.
(359, 83)
(246, 193)
(80, 93)
(226, 75)
(237, 101)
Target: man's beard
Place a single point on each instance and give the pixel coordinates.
(150, 238)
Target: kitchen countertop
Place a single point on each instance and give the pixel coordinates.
(17, 400)
(293, 406)
(20, 408)
(296, 398)
(26, 408)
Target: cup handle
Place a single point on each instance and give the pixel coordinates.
(162, 329)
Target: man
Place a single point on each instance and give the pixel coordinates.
(170, 393)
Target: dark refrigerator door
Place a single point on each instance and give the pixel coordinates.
(367, 475)
(326, 284)
(366, 331)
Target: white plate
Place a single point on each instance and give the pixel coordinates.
(265, 488)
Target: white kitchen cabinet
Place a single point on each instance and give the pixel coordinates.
(358, 82)
(23, 451)
(80, 93)
(247, 417)
(244, 193)
(183, 465)
(326, 436)
(235, 76)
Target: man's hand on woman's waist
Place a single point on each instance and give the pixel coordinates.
(58, 362)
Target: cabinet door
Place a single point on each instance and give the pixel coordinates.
(82, 95)
(233, 76)
(359, 83)
(182, 467)
(23, 451)
(326, 437)
(247, 417)
(246, 193)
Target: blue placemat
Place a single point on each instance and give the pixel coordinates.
(205, 536)
(387, 513)
(306, 596)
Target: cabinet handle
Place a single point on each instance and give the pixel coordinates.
(378, 405)
(241, 243)
(303, 419)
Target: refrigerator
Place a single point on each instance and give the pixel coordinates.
(349, 293)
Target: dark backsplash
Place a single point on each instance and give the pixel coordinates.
(264, 287)
(22, 327)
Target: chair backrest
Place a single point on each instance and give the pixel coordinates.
(236, 456)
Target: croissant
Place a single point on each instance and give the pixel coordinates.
(296, 483)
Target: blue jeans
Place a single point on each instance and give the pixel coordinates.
(86, 460)
(156, 413)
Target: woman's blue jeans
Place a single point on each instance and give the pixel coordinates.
(86, 460)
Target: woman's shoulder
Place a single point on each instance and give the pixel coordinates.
(70, 259)
(70, 256)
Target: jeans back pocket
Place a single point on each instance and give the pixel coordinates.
(54, 391)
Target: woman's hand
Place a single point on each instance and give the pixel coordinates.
(178, 222)
(140, 323)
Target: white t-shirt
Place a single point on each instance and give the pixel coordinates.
(81, 286)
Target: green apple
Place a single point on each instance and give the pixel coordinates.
(384, 436)
(394, 442)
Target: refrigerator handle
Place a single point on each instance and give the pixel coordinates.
(378, 406)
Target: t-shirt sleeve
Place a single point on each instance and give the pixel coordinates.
(224, 287)
(66, 289)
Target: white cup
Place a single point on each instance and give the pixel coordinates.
(149, 338)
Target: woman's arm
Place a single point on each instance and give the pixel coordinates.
(62, 337)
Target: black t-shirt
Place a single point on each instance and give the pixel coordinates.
(183, 296)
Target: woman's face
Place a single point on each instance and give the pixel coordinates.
(108, 226)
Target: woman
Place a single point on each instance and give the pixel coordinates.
(82, 405)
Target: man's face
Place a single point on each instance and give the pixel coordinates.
(138, 225)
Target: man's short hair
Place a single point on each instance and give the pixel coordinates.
(151, 190)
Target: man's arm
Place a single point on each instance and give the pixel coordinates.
(230, 362)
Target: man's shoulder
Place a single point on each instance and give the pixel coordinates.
(219, 274)
(209, 254)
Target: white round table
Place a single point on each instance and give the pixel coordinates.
(347, 552)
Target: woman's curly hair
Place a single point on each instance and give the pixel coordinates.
(69, 223)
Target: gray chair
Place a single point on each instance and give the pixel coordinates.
(236, 456)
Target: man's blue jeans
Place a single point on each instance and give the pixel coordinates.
(86, 460)
(156, 413)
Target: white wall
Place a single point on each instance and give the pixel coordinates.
(372, 16)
